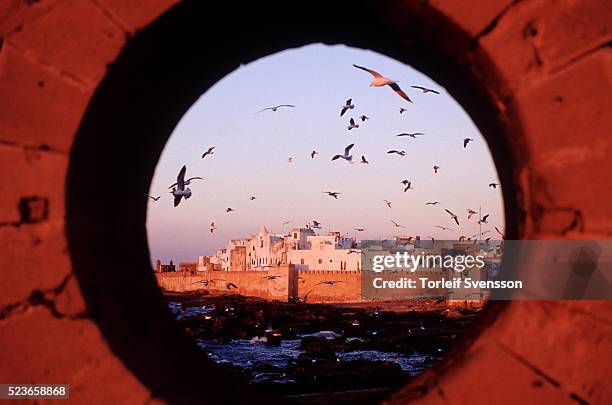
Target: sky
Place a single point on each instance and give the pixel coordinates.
(252, 151)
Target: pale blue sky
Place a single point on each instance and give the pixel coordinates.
(252, 151)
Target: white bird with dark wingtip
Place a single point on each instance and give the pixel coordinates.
(398, 152)
(364, 160)
(432, 203)
(453, 216)
(334, 194)
(352, 124)
(436, 168)
(212, 227)
(483, 220)
(180, 190)
(155, 198)
(470, 212)
(466, 141)
(346, 156)
(397, 225)
(347, 106)
(425, 90)
(313, 153)
(388, 203)
(408, 185)
(380, 80)
(493, 185)
(276, 107)
(363, 118)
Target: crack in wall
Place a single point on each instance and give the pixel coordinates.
(553, 381)
(493, 24)
(45, 298)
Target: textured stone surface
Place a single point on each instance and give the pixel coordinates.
(545, 66)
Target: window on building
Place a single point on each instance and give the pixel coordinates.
(302, 261)
(320, 261)
(295, 235)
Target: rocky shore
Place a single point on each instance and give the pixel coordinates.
(298, 349)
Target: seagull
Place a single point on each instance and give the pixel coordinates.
(180, 190)
(388, 203)
(412, 135)
(432, 203)
(444, 228)
(313, 153)
(316, 224)
(364, 117)
(229, 209)
(210, 151)
(470, 212)
(397, 225)
(380, 80)
(212, 227)
(290, 160)
(186, 182)
(436, 168)
(252, 198)
(276, 107)
(272, 277)
(346, 156)
(402, 110)
(466, 141)
(286, 223)
(360, 229)
(453, 216)
(499, 232)
(399, 152)
(481, 233)
(408, 185)
(364, 160)
(347, 106)
(352, 124)
(155, 198)
(425, 89)
(334, 194)
(229, 286)
(483, 220)
(330, 282)
(493, 185)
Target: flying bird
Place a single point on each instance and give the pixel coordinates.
(499, 232)
(212, 227)
(286, 223)
(352, 124)
(229, 209)
(380, 80)
(364, 117)
(330, 282)
(493, 185)
(402, 110)
(397, 225)
(252, 198)
(360, 229)
(425, 90)
(432, 203)
(466, 141)
(436, 168)
(364, 160)
(290, 160)
(313, 153)
(444, 228)
(470, 212)
(210, 151)
(334, 194)
(347, 106)
(346, 156)
(229, 286)
(272, 277)
(412, 135)
(388, 203)
(316, 224)
(399, 152)
(408, 185)
(180, 190)
(453, 216)
(276, 107)
(483, 220)
(155, 198)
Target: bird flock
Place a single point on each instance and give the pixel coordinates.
(180, 189)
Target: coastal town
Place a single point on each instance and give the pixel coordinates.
(299, 264)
